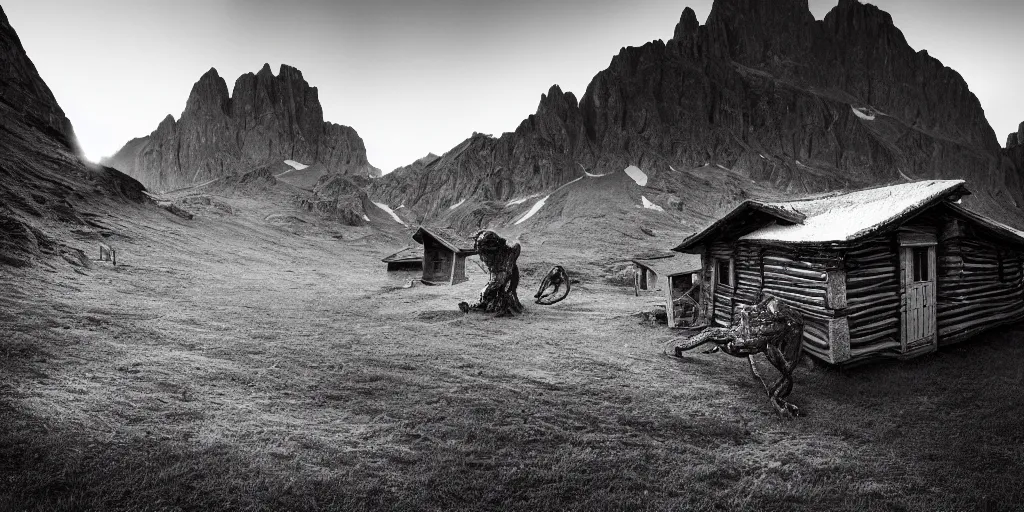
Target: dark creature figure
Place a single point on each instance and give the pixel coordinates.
(770, 327)
(500, 295)
(556, 279)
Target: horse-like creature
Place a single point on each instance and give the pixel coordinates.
(770, 327)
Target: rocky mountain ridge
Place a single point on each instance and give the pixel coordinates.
(266, 119)
(761, 90)
(46, 189)
(1014, 150)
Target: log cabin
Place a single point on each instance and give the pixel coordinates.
(896, 271)
(407, 259)
(444, 255)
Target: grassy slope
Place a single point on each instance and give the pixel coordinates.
(234, 364)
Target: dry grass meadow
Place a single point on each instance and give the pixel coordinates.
(246, 362)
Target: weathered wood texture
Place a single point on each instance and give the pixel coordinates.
(917, 305)
(459, 270)
(724, 294)
(979, 284)
(863, 299)
(873, 297)
(437, 262)
(799, 280)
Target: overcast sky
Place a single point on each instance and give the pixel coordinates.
(414, 76)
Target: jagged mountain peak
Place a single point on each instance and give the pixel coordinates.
(556, 99)
(687, 26)
(762, 91)
(266, 119)
(209, 95)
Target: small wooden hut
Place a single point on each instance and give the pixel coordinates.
(677, 277)
(444, 255)
(645, 278)
(651, 274)
(410, 258)
(894, 271)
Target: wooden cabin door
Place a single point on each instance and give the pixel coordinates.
(918, 300)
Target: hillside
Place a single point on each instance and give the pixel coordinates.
(51, 201)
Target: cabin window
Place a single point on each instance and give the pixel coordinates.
(438, 265)
(723, 269)
(921, 270)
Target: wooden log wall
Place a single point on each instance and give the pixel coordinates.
(724, 296)
(873, 296)
(748, 275)
(797, 280)
(979, 285)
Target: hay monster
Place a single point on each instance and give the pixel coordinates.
(499, 296)
(770, 327)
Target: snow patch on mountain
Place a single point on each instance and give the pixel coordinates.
(863, 114)
(651, 206)
(638, 176)
(590, 174)
(521, 200)
(391, 212)
(533, 211)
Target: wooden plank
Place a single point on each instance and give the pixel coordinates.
(908, 239)
(904, 316)
(670, 310)
(932, 331)
(859, 341)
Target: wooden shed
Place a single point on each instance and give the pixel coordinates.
(675, 276)
(444, 255)
(645, 278)
(895, 271)
(410, 258)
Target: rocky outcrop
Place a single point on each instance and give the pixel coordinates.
(266, 119)
(762, 89)
(24, 92)
(45, 187)
(1015, 138)
(1013, 154)
(418, 165)
(341, 198)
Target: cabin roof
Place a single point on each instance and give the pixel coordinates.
(671, 266)
(448, 238)
(409, 254)
(1007, 233)
(833, 218)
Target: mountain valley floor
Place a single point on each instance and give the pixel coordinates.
(246, 361)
